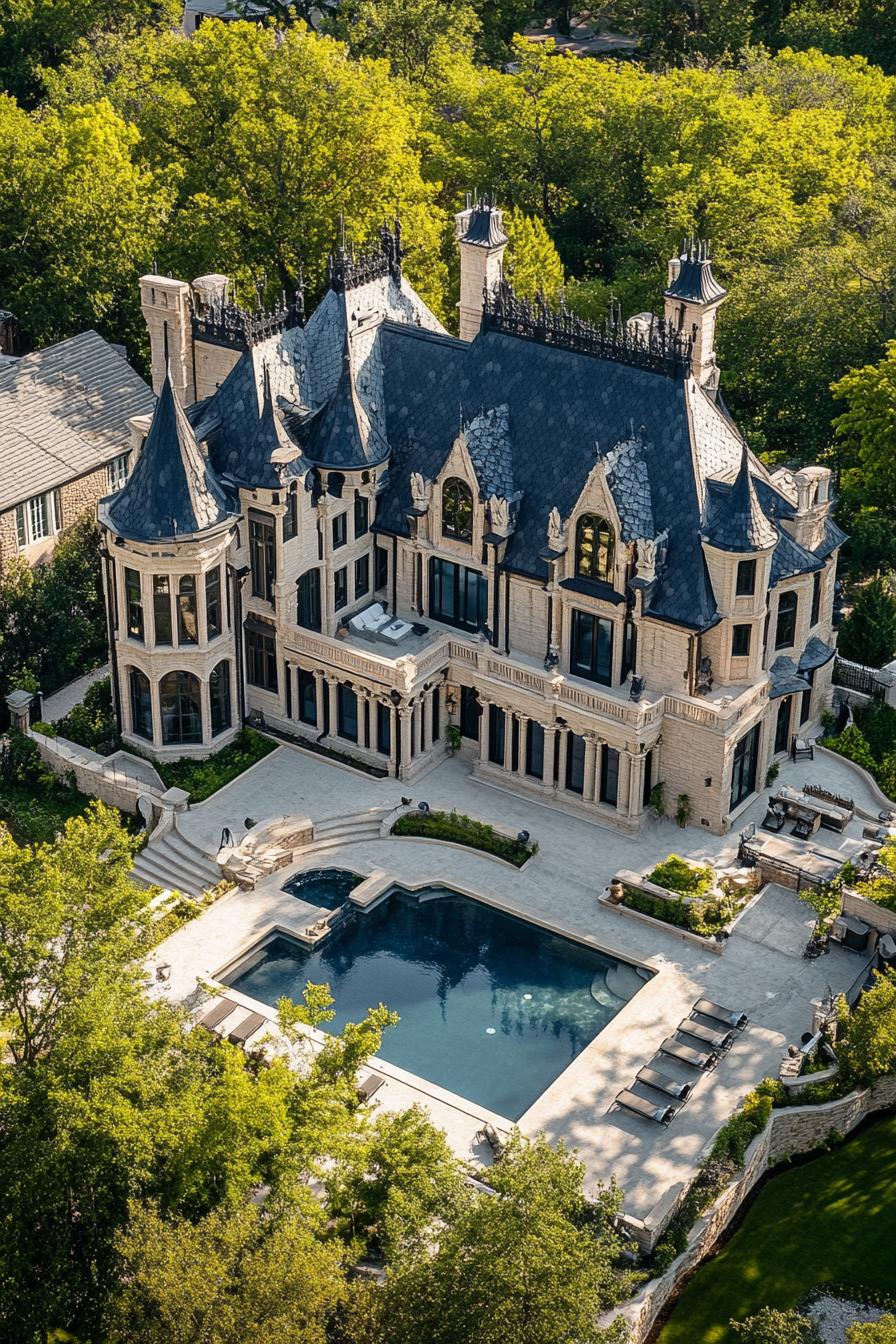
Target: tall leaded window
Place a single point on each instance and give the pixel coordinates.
(141, 704)
(743, 774)
(362, 515)
(575, 762)
(381, 567)
(262, 556)
(785, 628)
(457, 510)
(213, 624)
(219, 697)
(347, 712)
(187, 623)
(308, 595)
(340, 589)
(307, 690)
(595, 544)
(38, 518)
(161, 608)
(340, 530)
(816, 598)
(291, 516)
(261, 659)
(535, 749)
(362, 576)
(133, 597)
(609, 776)
(746, 578)
(457, 595)
(180, 706)
(591, 655)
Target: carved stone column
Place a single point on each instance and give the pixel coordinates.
(363, 720)
(419, 719)
(522, 728)
(484, 726)
(319, 698)
(332, 685)
(508, 741)
(405, 716)
(393, 738)
(635, 783)
(624, 786)
(592, 764)
(550, 749)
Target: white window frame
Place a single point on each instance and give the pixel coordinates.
(117, 472)
(37, 519)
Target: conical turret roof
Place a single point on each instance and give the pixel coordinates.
(733, 518)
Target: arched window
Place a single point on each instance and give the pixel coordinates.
(785, 630)
(219, 697)
(141, 704)
(180, 704)
(457, 510)
(594, 548)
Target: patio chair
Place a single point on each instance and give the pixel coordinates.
(806, 824)
(802, 749)
(369, 1086)
(216, 1014)
(710, 1036)
(700, 1059)
(246, 1028)
(488, 1134)
(662, 1115)
(673, 1087)
(775, 817)
(707, 1008)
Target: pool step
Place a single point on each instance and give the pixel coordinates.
(175, 862)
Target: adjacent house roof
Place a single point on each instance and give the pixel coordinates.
(172, 491)
(64, 412)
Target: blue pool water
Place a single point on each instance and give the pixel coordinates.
(328, 887)
(491, 1007)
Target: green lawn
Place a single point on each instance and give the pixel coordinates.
(834, 1218)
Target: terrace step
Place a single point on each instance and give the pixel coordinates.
(173, 861)
(349, 829)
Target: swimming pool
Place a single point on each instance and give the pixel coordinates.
(327, 887)
(491, 1007)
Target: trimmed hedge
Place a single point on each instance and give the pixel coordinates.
(463, 830)
(676, 874)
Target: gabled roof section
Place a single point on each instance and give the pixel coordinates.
(629, 482)
(172, 492)
(487, 437)
(64, 412)
(695, 282)
(340, 434)
(791, 558)
(785, 679)
(732, 517)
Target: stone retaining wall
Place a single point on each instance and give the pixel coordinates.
(878, 916)
(119, 780)
(789, 1132)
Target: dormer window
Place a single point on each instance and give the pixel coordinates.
(595, 544)
(457, 510)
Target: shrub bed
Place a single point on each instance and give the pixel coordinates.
(463, 830)
(92, 722)
(702, 917)
(203, 778)
(676, 874)
(871, 743)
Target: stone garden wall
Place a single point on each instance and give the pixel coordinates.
(789, 1132)
(118, 780)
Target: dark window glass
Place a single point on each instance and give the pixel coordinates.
(743, 775)
(340, 589)
(133, 596)
(470, 712)
(187, 624)
(383, 728)
(436, 714)
(308, 590)
(347, 712)
(816, 597)
(219, 696)
(609, 776)
(213, 603)
(785, 629)
(261, 660)
(648, 779)
(592, 647)
(180, 706)
(594, 548)
(746, 578)
(740, 641)
(262, 556)
(335, 484)
(782, 725)
(535, 750)
(362, 515)
(340, 531)
(362, 576)
(161, 608)
(806, 697)
(457, 595)
(291, 516)
(496, 730)
(457, 510)
(575, 763)
(307, 697)
(381, 569)
(141, 704)
(629, 648)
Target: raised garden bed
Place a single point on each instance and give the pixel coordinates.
(463, 830)
(203, 778)
(684, 895)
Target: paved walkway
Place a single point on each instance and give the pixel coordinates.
(57, 705)
(761, 970)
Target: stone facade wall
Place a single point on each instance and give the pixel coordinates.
(789, 1132)
(76, 498)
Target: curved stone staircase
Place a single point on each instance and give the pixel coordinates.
(348, 829)
(174, 862)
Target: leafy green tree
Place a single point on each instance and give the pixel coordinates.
(531, 1264)
(531, 259)
(867, 429)
(416, 37)
(868, 1048)
(671, 31)
(770, 1326)
(882, 1331)
(868, 635)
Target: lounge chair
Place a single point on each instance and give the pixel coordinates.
(216, 1014)
(395, 631)
(711, 1036)
(707, 1008)
(700, 1059)
(775, 817)
(663, 1115)
(806, 824)
(488, 1134)
(369, 1085)
(673, 1087)
(248, 1027)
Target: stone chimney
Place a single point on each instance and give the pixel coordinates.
(481, 240)
(693, 296)
(168, 310)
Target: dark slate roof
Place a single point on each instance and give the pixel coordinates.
(339, 434)
(483, 226)
(695, 282)
(489, 444)
(834, 536)
(785, 678)
(562, 404)
(790, 558)
(815, 654)
(733, 519)
(172, 490)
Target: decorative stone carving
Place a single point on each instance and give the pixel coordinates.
(421, 490)
(556, 531)
(651, 554)
(636, 690)
(704, 676)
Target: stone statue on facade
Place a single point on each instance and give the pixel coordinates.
(421, 491)
(556, 531)
(704, 676)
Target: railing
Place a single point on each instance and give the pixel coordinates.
(855, 677)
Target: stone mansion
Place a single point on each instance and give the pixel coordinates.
(541, 543)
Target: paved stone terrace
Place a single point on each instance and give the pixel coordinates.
(761, 970)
